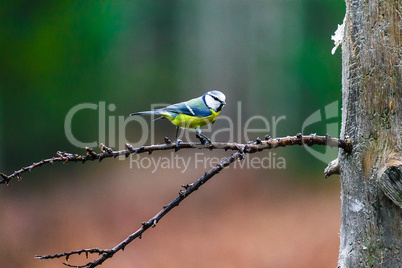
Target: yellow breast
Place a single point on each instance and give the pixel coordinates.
(188, 121)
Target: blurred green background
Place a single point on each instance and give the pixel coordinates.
(272, 56)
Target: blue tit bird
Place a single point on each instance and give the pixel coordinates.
(192, 114)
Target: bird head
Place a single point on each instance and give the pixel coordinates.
(215, 100)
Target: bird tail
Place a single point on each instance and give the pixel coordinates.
(155, 112)
(146, 112)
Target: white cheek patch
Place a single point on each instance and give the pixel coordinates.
(212, 103)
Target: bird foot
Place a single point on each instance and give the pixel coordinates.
(204, 140)
(178, 141)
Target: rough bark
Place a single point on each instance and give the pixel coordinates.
(371, 233)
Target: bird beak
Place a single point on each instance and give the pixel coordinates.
(223, 102)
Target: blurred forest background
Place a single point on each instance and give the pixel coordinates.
(274, 57)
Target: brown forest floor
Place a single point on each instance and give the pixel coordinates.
(240, 218)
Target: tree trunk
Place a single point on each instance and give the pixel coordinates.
(371, 233)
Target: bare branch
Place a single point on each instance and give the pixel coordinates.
(251, 147)
(241, 151)
(67, 254)
(188, 189)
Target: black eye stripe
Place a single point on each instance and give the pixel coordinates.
(215, 98)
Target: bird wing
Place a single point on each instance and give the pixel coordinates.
(194, 107)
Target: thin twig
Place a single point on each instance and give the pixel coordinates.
(188, 189)
(251, 147)
(241, 151)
